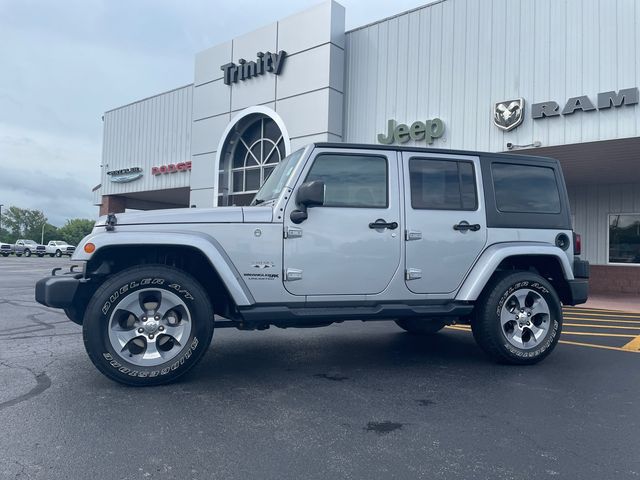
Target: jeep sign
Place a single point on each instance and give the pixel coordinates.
(429, 131)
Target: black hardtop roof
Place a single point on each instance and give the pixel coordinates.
(505, 156)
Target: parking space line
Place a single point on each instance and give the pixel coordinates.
(582, 309)
(590, 334)
(599, 326)
(606, 315)
(611, 320)
(462, 328)
(633, 345)
(593, 345)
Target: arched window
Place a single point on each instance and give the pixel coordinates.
(258, 151)
(254, 147)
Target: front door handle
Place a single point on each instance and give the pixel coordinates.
(381, 224)
(464, 226)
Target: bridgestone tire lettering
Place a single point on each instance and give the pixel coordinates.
(142, 374)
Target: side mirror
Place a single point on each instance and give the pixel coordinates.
(310, 194)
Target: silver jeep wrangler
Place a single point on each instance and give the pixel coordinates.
(423, 237)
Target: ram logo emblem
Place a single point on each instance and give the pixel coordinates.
(509, 114)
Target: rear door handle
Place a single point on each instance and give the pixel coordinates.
(464, 226)
(380, 224)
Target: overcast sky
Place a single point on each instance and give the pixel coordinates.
(63, 63)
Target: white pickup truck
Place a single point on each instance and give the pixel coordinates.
(57, 248)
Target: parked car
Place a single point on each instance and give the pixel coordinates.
(425, 237)
(6, 249)
(28, 248)
(57, 248)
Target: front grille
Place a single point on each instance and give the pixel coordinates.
(70, 249)
(5, 247)
(40, 248)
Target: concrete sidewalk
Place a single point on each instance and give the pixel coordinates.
(625, 302)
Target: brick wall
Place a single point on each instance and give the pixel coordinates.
(112, 204)
(614, 279)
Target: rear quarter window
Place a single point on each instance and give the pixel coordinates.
(525, 188)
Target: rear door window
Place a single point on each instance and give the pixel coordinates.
(442, 184)
(525, 188)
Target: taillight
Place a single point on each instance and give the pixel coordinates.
(577, 243)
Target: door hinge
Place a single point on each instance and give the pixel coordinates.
(293, 232)
(410, 235)
(293, 274)
(413, 274)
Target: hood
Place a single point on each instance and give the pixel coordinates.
(193, 215)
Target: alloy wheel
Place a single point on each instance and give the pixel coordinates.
(149, 327)
(525, 318)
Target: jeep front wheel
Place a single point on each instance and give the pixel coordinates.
(518, 319)
(27, 253)
(421, 326)
(148, 325)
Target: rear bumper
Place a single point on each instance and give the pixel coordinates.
(579, 291)
(58, 291)
(579, 286)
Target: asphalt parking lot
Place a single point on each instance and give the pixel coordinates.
(353, 400)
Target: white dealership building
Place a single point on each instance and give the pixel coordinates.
(550, 77)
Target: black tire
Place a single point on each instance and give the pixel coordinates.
(18, 254)
(58, 253)
(488, 329)
(51, 255)
(5, 254)
(27, 253)
(102, 309)
(40, 255)
(421, 326)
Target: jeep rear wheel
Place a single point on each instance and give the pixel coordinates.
(518, 319)
(421, 326)
(148, 325)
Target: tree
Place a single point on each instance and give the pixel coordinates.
(5, 236)
(75, 230)
(23, 223)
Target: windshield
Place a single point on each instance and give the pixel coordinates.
(278, 178)
(30, 242)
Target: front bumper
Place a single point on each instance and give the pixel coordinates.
(58, 291)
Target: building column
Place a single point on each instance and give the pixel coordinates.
(113, 204)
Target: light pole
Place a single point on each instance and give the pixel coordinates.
(1, 205)
(42, 235)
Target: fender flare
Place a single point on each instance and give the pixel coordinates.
(205, 244)
(489, 260)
